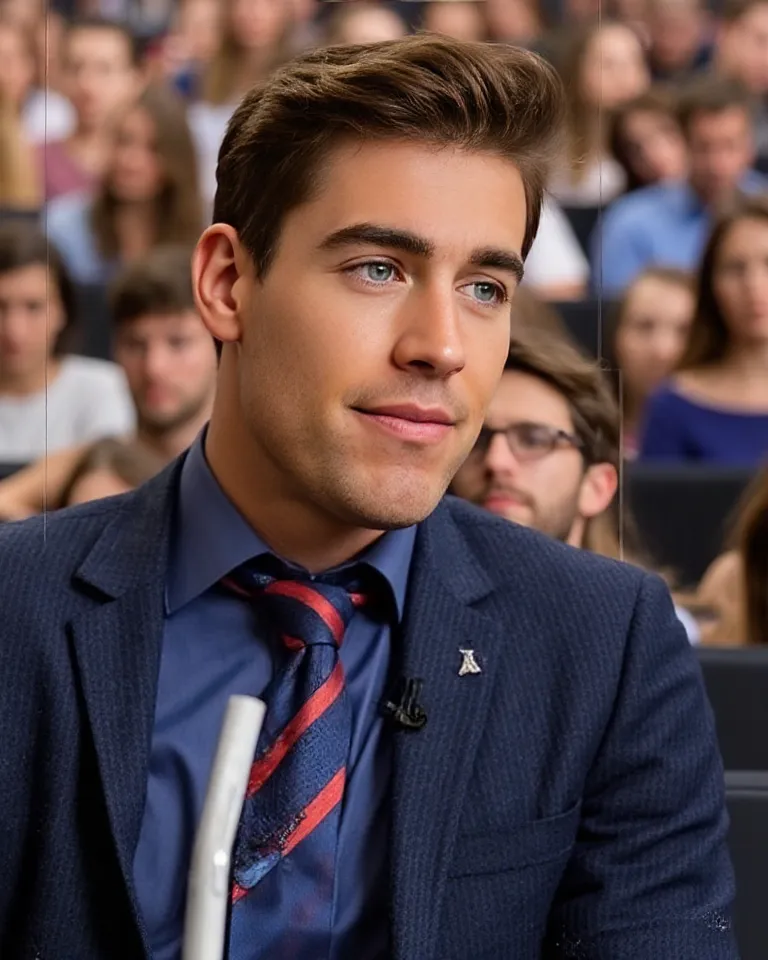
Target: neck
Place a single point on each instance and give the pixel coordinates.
(748, 360)
(170, 443)
(280, 512)
(26, 384)
(135, 228)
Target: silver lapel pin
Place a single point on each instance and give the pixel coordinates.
(468, 664)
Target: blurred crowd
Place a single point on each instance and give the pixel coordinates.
(640, 335)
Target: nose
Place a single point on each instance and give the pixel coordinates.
(430, 336)
(156, 362)
(499, 459)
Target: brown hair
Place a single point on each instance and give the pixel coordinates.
(733, 10)
(158, 283)
(750, 539)
(711, 94)
(132, 464)
(532, 316)
(596, 422)
(178, 207)
(23, 244)
(425, 89)
(658, 100)
(709, 337)
(225, 78)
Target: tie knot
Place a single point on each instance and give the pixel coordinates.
(305, 610)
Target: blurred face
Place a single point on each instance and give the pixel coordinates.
(744, 49)
(258, 24)
(614, 69)
(676, 31)
(655, 146)
(17, 66)
(537, 479)
(31, 317)
(516, 21)
(464, 21)
(136, 171)
(652, 332)
(740, 281)
(98, 76)
(199, 26)
(721, 150)
(170, 363)
(368, 354)
(371, 25)
(97, 485)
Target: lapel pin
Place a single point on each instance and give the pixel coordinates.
(469, 663)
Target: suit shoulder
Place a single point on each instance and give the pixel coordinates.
(508, 551)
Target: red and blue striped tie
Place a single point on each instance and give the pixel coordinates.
(293, 802)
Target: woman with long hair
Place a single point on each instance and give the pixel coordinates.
(715, 407)
(646, 139)
(148, 196)
(603, 67)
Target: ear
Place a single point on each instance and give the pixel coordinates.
(221, 272)
(598, 489)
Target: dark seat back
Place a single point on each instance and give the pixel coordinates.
(583, 221)
(94, 335)
(747, 799)
(682, 513)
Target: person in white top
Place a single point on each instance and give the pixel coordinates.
(49, 399)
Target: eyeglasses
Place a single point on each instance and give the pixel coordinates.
(527, 441)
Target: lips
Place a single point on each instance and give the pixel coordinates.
(411, 422)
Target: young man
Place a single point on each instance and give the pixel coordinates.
(543, 778)
(169, 361)
(667, 224)
(100, 75)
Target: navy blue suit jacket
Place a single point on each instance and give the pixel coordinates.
(566, 802)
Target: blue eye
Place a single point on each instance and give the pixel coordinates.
(377, 272)
(487, 293)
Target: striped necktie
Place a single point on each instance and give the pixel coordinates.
(289, 825)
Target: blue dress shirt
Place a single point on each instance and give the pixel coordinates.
(213, 647)
(677, 429)
(663, 225)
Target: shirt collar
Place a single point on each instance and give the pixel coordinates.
(211, 537)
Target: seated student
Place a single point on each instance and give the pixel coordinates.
(548, 455)
(49, 399)
(715, 407)
(148, 195)
(110, 467)
(647, 141)
(648, 336)
(169, 361)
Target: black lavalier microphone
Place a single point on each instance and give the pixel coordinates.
(405, 711)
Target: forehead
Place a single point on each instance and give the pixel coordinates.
(458, 199)
(162, 324)
(709, 122)
(657, 294)
(24, 280)
(521, 396)
(97, 42)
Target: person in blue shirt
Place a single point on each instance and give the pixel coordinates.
(715, 408)
(667, 224)
(479, 741)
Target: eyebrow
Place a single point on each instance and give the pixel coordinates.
(380, 236)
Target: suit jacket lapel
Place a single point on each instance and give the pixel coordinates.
(433, 765)
(117, 645)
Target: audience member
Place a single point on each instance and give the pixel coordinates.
(649, 335)
(100, 78)
(49, 399)
(733, 593)
(646, 140)
(742, 53)
(148, 196)
(556, 267)
(170, 363)
(254, 39)
(183, 54)
(364, 23)
(715, 408)
(462, 19)
(521, 22)
(108, 468)
(667, 224)
(680, 38)
(602, 68)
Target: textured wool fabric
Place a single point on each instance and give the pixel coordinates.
(564, 802)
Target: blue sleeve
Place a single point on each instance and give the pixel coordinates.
(650, 875)
(662, 436)
(619, 246)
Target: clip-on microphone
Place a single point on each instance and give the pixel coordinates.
(407, 713)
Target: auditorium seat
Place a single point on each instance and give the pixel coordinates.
(682, 513)
(737, 686)
(747, 799)
(94, 333)
(583, 221)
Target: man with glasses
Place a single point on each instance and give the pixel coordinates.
(548, 454)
